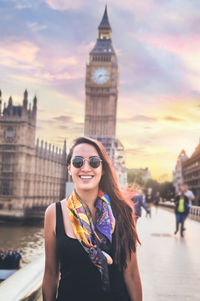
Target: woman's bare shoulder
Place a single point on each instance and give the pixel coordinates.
(50, 217)
(50, 210)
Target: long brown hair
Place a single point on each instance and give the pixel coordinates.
(125, 236)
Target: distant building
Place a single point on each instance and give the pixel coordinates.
(101, 90)
(144, 172)
(191, 173)
(32, 175)
(178, 171)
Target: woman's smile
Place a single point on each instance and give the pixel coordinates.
(86, 178)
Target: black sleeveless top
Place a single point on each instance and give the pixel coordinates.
(80, 279)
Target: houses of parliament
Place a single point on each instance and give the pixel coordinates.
(33, 173)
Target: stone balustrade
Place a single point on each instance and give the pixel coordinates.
(25, 284)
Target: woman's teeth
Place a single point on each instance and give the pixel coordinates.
(86, 177)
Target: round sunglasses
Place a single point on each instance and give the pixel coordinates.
(93, 161)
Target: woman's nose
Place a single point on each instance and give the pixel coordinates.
(86, 166)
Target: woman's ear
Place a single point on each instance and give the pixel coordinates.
(69, 169)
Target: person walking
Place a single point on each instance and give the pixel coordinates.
(156, 198)
(149, 201)
(181, 203)
(138, 203)
(190, 195)
(90, 238)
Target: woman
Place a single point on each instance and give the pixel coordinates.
(138, 203)
(181, 205)
(90, 237)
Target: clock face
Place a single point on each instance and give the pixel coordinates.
(100, 76)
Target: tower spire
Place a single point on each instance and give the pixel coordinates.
(104, 28)
(105, 24)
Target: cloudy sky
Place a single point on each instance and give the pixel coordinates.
(44, 47)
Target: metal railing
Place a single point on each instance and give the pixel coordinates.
(195, 213)
(194, 210)
(25, 284)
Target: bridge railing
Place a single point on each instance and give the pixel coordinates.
(25, 284)
(194, 210)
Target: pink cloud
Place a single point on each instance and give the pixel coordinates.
(19, 54)
(65, 4)
(50, 76)
(173, 43)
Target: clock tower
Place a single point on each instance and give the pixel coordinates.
(101, 88)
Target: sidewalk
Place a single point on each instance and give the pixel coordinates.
(169, 265)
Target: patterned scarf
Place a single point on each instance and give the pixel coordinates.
(95, 239)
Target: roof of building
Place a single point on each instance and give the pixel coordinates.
(105, 24)
(12, 110)
(197, 151)
(103, 46)
(182, 156)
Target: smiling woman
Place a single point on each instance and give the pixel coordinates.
(91, 237)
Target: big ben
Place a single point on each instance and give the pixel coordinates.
(101, 88)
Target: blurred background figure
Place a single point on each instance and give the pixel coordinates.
(138, 202)
(181, 210)
(189, 194)
(149, 201)
(156, 198)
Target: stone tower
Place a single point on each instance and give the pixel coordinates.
(101, 88)
(17, 147)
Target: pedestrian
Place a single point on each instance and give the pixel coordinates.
(91, 237)
(181, 203)
(190, 196)
(156, 198)
(149, 201)
(138, 203)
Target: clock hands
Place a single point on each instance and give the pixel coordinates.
(100, 75)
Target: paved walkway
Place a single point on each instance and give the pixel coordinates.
(169, 264)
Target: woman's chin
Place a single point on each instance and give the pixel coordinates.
(86, 186)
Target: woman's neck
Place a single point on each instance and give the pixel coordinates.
(88, 196)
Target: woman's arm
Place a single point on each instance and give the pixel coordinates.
(132, 279)
(51, 273)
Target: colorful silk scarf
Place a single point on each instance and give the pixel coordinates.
(95, 239)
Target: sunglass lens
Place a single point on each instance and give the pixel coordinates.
(77, 162)
(95, 162)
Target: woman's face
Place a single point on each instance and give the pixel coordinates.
(85, 177)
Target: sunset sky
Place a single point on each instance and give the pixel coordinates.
(44, 48)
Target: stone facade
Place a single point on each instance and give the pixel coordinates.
(101, 90)
(178, 171)
(191, 173)
(101, 85)
(32, 174)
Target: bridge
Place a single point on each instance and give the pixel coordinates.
(169, 264)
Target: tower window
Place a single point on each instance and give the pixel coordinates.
(9, 134)
(7, 165)
(5, 188)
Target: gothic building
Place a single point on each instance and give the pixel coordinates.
(101, 89)
(32, 175)
(178, 171)
(191, 173)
